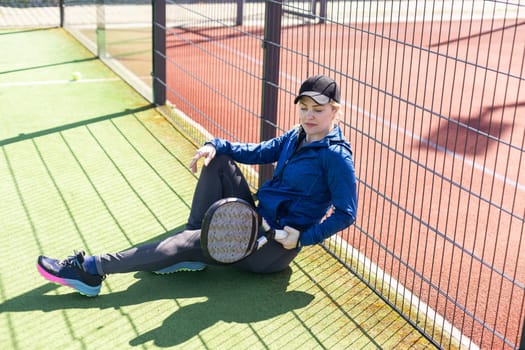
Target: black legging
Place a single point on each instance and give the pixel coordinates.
(220, 179)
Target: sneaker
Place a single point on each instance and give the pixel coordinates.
(70, 272)
(182, 266)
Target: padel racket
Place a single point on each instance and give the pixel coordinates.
(230, 231)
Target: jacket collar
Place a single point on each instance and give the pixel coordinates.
(334, 136)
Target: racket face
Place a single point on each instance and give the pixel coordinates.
(229, 230)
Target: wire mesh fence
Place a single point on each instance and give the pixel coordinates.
(432, 94)
(26, 13)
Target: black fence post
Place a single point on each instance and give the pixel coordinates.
(270, 87)
(522, 342)
(240, 12)
(159, 52)
(61, 9)
(101, 29)
(322, 11)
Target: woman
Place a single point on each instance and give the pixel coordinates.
(314, 176)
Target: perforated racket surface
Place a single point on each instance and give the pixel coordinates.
(230, 229)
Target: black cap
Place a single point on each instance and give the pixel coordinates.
(321, 89)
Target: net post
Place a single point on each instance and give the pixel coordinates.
(270, 84)
(159, 51)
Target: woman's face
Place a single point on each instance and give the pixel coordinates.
(316, 120)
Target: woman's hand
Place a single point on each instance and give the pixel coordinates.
(207, 151)
(291, 239)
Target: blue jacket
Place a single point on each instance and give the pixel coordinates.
(306, 183)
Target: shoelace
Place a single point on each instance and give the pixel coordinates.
(77, 260)
(74, 260)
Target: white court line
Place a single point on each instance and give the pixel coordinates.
(56, 82)
(417, 303)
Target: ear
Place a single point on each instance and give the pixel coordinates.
(335, 111)
(336, 114)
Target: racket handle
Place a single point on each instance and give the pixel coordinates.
(265, 225)
(272, 234)
(280, 234)
(261, 241)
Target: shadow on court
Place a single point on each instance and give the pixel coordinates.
(32, 135)
(230, 296)
(475, 135)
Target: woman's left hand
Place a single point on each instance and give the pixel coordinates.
(291, 239)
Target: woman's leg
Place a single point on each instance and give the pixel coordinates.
(273, 257)
(220, 179)
(230, 182)
(183, 246)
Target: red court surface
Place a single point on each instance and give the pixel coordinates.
(438, 146)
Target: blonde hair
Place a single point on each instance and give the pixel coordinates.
(336, 105)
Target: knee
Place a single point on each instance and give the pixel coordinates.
(220, 160)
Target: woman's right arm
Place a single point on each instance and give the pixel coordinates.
(252, 153)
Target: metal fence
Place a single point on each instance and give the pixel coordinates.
(432, 92)
(433, 100)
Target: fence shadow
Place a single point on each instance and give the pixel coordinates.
(474, 135)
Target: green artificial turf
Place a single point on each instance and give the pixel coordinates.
(91, 165)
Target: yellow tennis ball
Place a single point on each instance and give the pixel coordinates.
(76, 76)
